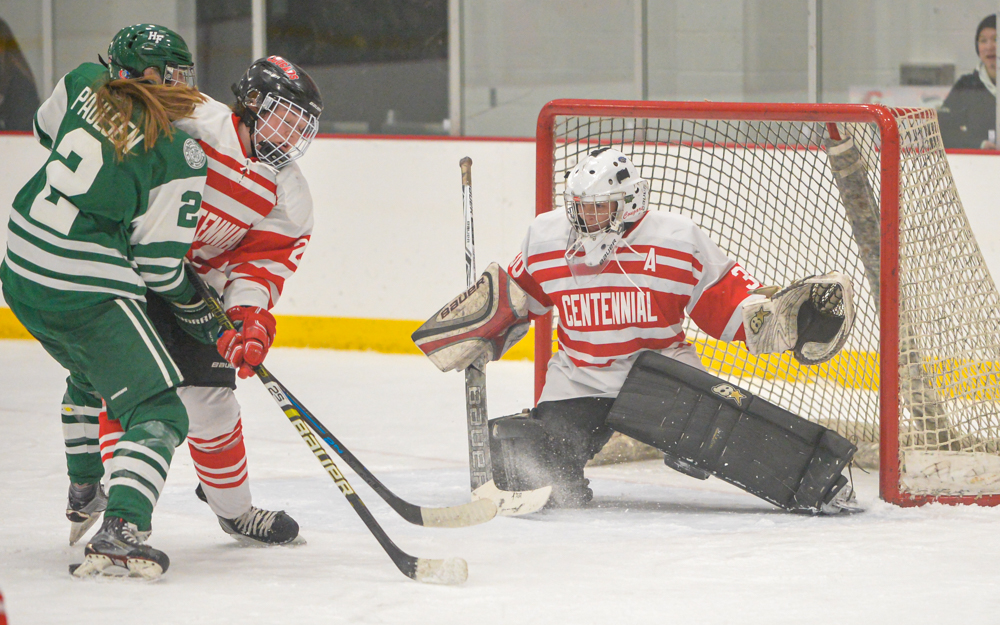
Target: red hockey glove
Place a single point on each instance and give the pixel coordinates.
(247, 347)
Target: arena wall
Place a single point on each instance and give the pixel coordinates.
(387, 249)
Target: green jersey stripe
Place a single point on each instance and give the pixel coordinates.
(51, 261)
(140, 314)
(71, 409)
(139, 466)
(76, 443)
(100, 284)
(148, 452)
(135, 485)
(161, 283)
(57, 284)
(67, 244)
(157, 357)
(164, 250)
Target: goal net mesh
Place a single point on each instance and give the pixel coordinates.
(788, 200)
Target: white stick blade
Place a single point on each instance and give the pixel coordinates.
(472, 513)
(451, 571)
(513, 503)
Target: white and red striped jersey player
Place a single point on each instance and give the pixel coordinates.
(255, 221)
(254, 226)
(664, 270)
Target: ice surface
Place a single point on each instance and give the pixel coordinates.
(658, 547)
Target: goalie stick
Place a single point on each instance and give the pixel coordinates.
(918, 392)
(508, 503)
(447, 571)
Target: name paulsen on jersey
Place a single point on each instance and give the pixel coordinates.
(85, 105)
(608, 308)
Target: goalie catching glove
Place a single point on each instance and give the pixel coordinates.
(480, 324)
(812, 316)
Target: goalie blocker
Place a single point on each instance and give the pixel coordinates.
(480, 324)
(701, 421)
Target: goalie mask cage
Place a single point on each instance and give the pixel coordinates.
(792, 190)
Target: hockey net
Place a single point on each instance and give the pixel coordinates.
(796, 190)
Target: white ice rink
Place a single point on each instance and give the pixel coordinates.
(657, 547)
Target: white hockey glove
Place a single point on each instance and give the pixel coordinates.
(480, 324)
(812, 316)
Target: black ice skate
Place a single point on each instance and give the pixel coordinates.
(261, 528)
(84, 508)
(120, 544)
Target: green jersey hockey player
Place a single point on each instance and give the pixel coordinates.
(111, 214)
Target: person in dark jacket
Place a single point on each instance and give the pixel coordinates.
(969, 112)
(18, 95)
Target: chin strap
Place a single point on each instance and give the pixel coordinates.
(248, 118)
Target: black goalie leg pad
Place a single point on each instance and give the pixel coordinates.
(736, 436)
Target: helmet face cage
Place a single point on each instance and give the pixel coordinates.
(179, 75)
(594, 214)
(283, 131)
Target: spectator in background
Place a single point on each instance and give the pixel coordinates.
(969, 113)
(18, 95)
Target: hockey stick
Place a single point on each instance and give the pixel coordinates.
(447, 571)
(462, 515)
(508, 503)
(850, 173)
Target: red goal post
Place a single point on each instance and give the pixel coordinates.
(791, 190)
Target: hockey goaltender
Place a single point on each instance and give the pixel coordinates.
(623, 279)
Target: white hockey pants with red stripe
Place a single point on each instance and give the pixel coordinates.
(215, 440)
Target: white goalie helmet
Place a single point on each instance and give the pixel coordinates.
(604, 194)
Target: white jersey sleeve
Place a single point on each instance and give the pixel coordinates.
(271, 250)
(50, 114)
(167, 224)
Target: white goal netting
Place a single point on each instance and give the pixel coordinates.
(789, 199)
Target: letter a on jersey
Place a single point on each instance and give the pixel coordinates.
(650, 260)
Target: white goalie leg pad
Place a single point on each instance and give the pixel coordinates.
(480, 324)
(812, 316)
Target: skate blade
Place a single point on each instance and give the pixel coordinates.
(246, 541)
(843, 510)
(78, 528)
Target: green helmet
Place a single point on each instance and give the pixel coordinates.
(137, 47)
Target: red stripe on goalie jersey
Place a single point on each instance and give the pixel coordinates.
(609, 318)
(516, 270)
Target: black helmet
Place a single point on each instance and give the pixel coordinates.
(281, 105)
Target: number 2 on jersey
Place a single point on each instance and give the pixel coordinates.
(51, 207)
